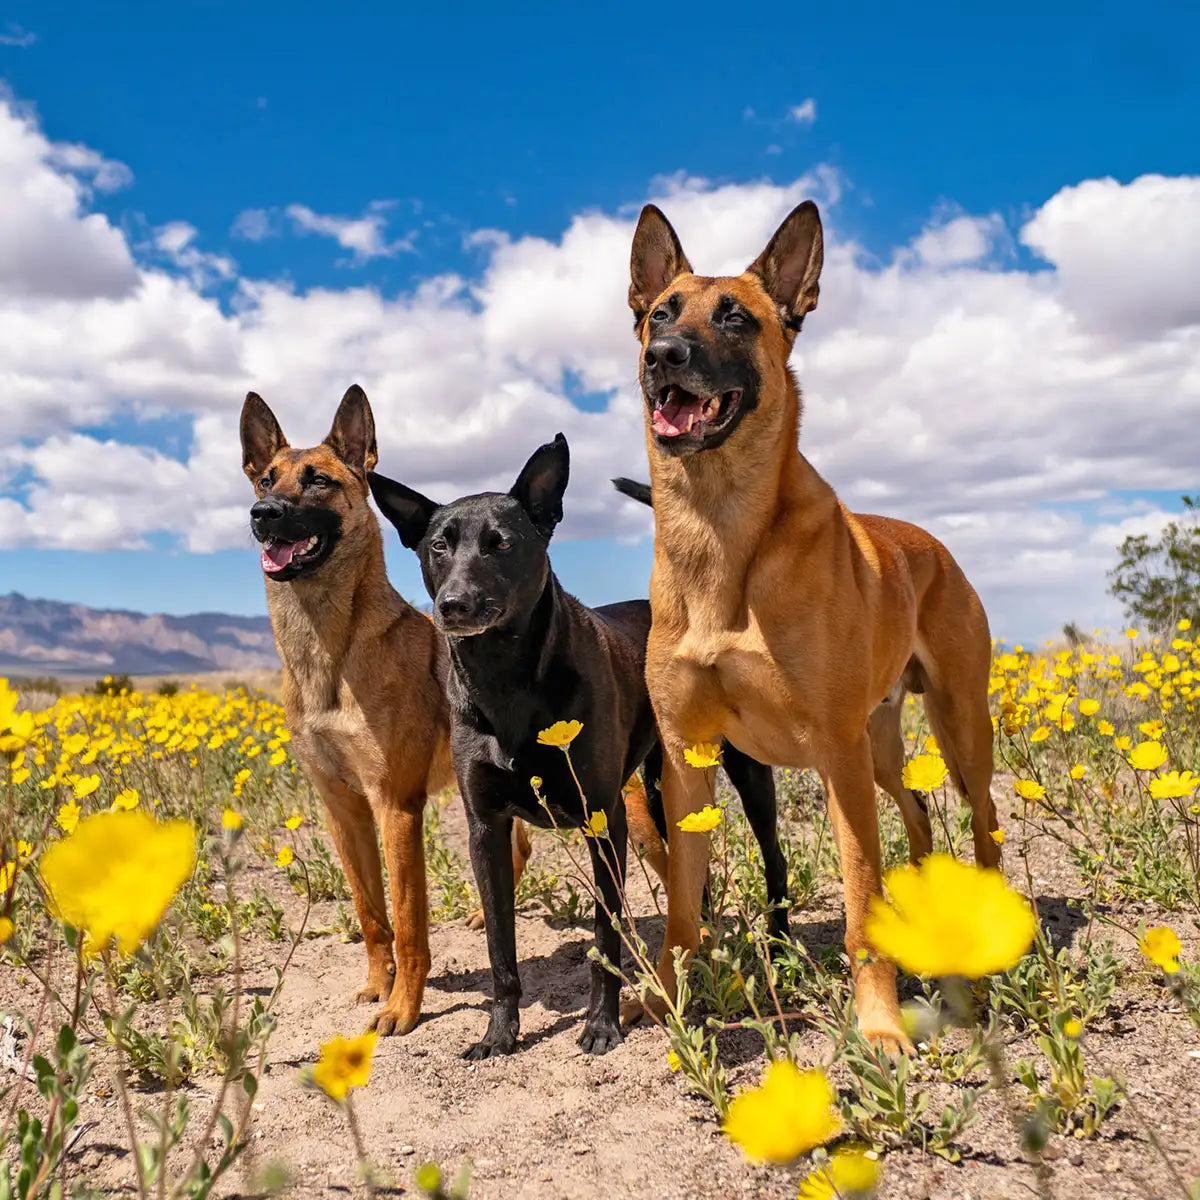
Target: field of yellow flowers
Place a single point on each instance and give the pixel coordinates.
(178, 961)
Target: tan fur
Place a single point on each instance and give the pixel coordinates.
(365, 708)
(782, 622)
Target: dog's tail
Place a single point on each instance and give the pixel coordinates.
(634, 490)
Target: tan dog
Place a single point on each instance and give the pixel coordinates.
(361, 691)
(781, 621)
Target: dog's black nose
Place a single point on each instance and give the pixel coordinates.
(454, 606)
(668, 352)
(266, 510)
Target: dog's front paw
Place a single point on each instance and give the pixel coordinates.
(494, 1044)
(394, 1019)
(380, 981)
(600, 1035)
(475, 919)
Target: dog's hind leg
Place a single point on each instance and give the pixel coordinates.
(955, 662)
(602, 1028)
(353, 828)
(887, 757)
(755, 784)
(401, 830)
(645, 823)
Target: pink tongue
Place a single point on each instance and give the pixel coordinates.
(277, 555)
(671, 420)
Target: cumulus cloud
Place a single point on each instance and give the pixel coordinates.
(1006, 408)
(804, 113)
(17, 36)
(365, 237)
(256, 225)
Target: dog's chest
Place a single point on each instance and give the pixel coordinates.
(337, 742)
(727, 684)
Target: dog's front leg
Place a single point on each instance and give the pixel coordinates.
(491, 858)
(401, 827)
(685, 790)
(353, 828)
(850, 790)
(602, 1029)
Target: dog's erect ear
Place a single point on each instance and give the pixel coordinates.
(409, 511)
(541, 484)
(790, 266)
(262, 438)
(656, 259)
(352, 436)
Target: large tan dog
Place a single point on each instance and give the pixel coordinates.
(360, 687)
(781, 621)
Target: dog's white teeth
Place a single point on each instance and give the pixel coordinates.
(312, 541)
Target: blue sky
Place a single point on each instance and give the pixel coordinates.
(520, 120)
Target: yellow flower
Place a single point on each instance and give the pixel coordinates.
(1089, 707)
(997, 836)
(1122, 742)
(68, 817)
(1029, 789)
(850, 1172)
(117, 873)
(125, 800)
(673, 1061)
(285, 857)
(595, 825)
(703, 754)
(1040, 734)
(231, 819)
(950, 918)
(15, 732)
(535, 782)
(1073, 1028)
(1161, 946)
(278, 757)
(1147, 756)
(788, 1114)
(1131, 633)
(1174, 785)
(924, 773)
(1106, 728)
(704, 821)
(294, 821)
(84, 787)
(1078, 771)
(560, 734)
(19, 776)
(345, 1063)
(1184, 625)
(7, 929)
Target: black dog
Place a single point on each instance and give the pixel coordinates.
(524, 655)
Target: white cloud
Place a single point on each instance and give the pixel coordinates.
(176, 241)
(256, 225)
(1006, 408)
(804, 113)
(365, 236)
(17, 36)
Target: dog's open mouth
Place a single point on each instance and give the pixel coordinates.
(278, 555)
(678, 412)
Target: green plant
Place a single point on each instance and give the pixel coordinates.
(1158, 581)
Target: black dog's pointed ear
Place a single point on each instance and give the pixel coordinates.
(409, 511)
(656, 259)
(790, 266)
(262, 438)
(541, 484)
(352, 435)
(634, 490)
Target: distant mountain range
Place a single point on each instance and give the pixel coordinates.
(46, 637)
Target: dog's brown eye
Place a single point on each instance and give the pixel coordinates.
(265, 481)
(438, 546)
(503, 546)
(734, 318)
(659, 315)
(320, 481)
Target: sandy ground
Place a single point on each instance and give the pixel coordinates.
(549, 1122)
